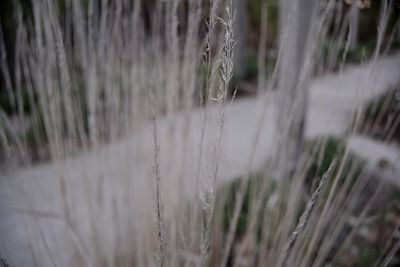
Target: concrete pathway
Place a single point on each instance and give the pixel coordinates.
(117, 181)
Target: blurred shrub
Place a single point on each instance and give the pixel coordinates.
(387, 104)
(381, 116)
(254, 9)
(324, 151)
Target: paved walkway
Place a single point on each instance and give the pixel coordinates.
(120, 178)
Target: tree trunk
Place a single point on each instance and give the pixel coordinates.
(294, 29)
(240, 36)
(354, 21)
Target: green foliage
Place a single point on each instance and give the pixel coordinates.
(367, 256)
(333, 148)
(361, 53)
(229, 203)
(251, 70)
(5, 104)
(328, 149)
(387, 103)
(9, 108)
(254, 9)
(227, 194)
(381, 114)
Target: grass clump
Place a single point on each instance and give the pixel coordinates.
(325, 150)
(381, 117)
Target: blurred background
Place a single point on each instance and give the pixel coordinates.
(199, 133)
